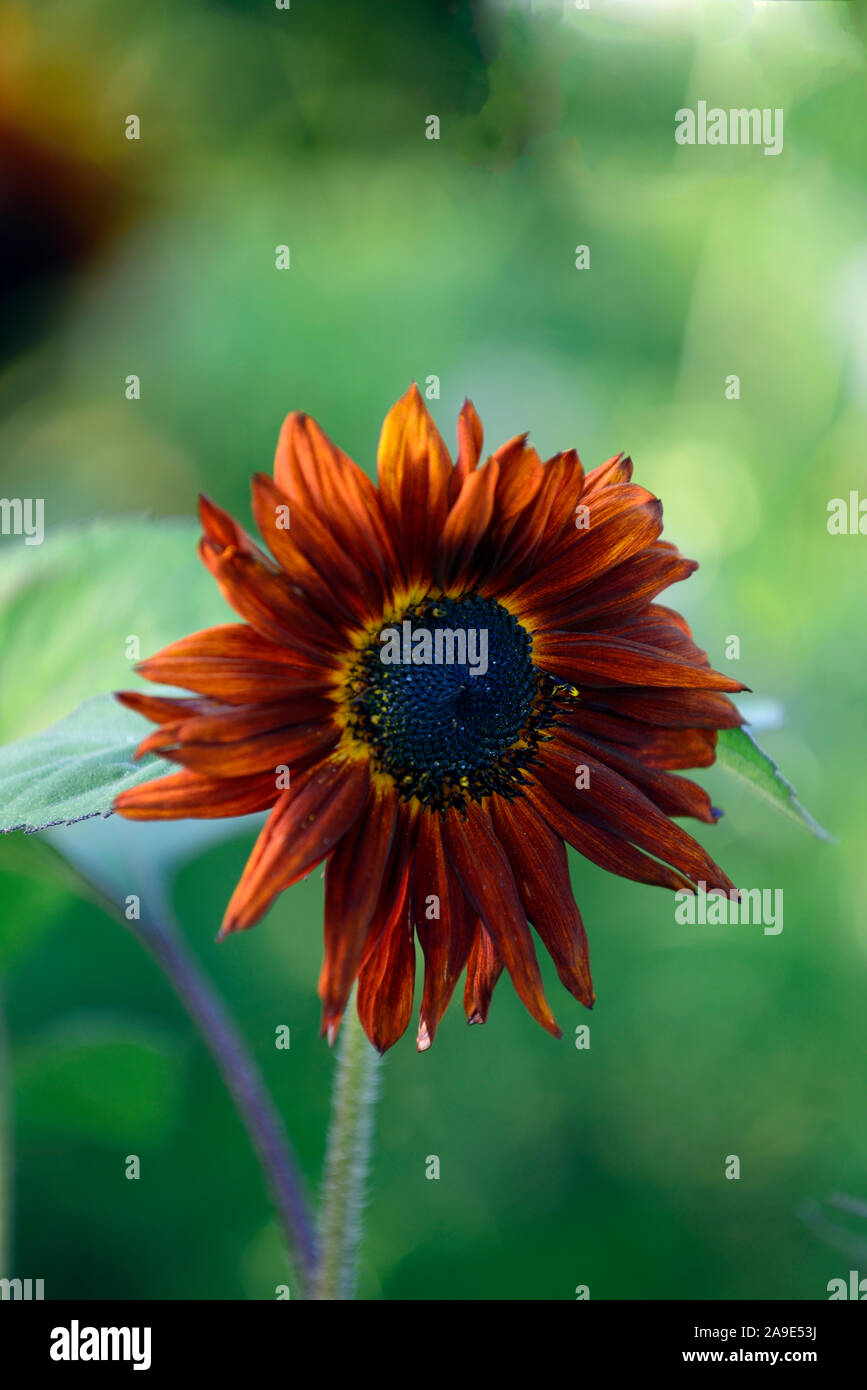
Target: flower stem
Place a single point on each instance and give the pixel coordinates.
(159, 933)
(245, 1085)
(346, 1162)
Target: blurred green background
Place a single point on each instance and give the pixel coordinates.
(456, 258)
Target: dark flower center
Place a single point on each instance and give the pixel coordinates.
(450, 702)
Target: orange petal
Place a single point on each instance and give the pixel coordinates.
(553, 490)
(321, 481)
(444, 923)
(538, 859)
(478, 860)
(670, 708)
(675, 796)
(627, 588)
(313, 556)
(609, 850)
(306, 823)
(353, 881)
(622, 521)
(162, 709)
(187, 794)
(655, 626)
(615, 470)
(656, 747)
(466, 526)
(614, 803)
(470, 437)
(484, 968)
(590, 659)
(264, 599)
(292, 746)
(223, 530)
(387, 976)
(414, 475)
(236, 664)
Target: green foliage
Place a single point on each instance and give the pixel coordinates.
(69, 607)
(456, 258)
(738, 751)
(75, 769)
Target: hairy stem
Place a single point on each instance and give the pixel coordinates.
(346, 1162)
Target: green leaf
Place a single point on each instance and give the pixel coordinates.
(69, 606)
(738, 751)
(75, 769)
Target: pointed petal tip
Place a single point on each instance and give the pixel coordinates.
(424, 1037)
(330, 1027)
(474, 1017)
(233, 922)
(468, 411)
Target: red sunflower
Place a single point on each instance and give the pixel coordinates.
(456, 673)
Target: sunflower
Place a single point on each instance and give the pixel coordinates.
(441, 793)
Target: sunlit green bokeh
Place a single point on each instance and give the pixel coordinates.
(456, 258)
